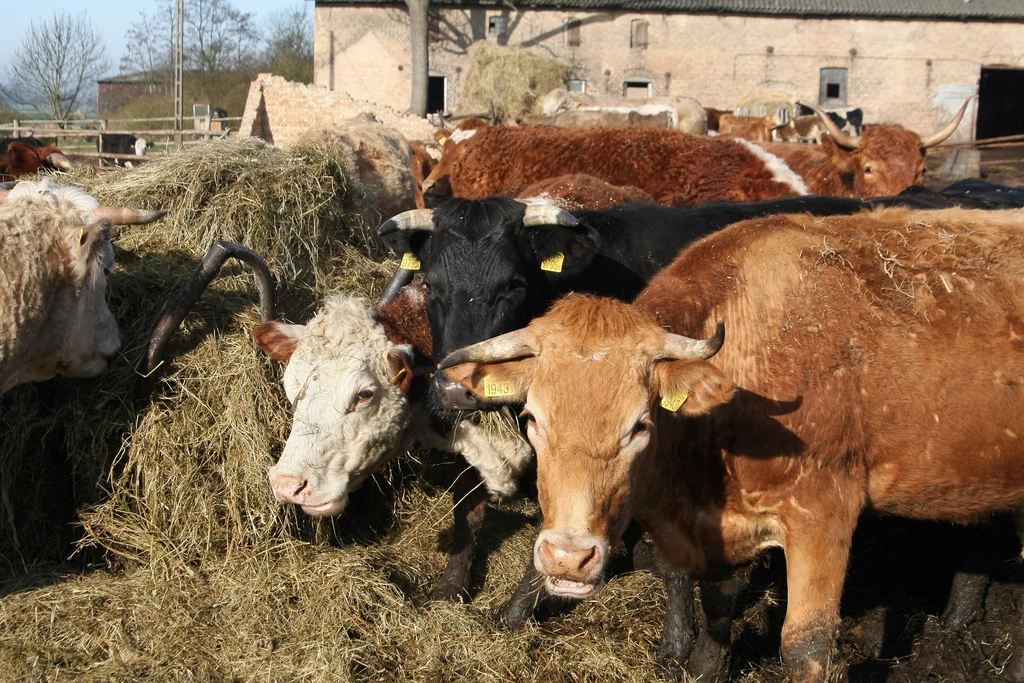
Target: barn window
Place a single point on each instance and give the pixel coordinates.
(638, 33)
(636, 89)
(833, 87)
(577, 85)
(572, 32)
(496, 26)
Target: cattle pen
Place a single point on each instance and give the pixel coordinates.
(140, 540)
(84, 138)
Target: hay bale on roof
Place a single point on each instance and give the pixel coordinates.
(510, 78)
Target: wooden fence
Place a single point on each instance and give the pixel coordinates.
(70, 135)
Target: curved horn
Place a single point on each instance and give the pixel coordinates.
(548, 214)
(417, 219)
(510, 346)
(841, 138)
(678, 347)
(201, 278)
(123, 216)
(400, 279)
(948, 130)
(58, 160)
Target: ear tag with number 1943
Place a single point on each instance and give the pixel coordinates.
(495, 389)
(673, 403)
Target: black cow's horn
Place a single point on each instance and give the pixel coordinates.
(842, 139)
(548, 214)
(510, 346)
(948, 130)
(417, 219)
(678, 347)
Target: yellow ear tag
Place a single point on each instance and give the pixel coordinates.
(410, 262)
(398, 377)
(81, 236)
(673, 403)
(496, 389)
(553, 264)
(442, 141)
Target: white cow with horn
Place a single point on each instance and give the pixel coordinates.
(54, 255)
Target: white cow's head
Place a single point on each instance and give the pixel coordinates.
(347, 384)
(63, 277)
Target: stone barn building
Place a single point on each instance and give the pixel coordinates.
(911, 62)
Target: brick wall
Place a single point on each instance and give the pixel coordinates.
(281, 112)
(915, 73)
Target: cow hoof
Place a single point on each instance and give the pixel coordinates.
(513, 615)
(709, 662)
(966, 600)
(671, 666)
(450, 591)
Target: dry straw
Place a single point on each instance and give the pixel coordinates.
(510, 79)
(193, 572)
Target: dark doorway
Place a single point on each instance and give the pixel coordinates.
(437, 89)
(1000, 103)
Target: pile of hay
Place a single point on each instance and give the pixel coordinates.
(186, 568)
(510, 79)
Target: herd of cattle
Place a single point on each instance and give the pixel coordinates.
(736, 345)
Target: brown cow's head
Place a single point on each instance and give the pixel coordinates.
(437, 186)
(22, 159)
(884, 160)
(592, 373)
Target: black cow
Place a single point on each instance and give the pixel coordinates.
(852, 122)
(120, 143)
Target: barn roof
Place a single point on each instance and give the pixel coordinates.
(999, 10)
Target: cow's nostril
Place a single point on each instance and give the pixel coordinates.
(302, 486)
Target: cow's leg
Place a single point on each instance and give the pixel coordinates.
(816, 561)
(966, 599)
(677, 637)
(470, 497)
(1015, 667)
(710, 660)
(523, 602)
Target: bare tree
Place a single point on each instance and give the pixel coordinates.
(56, 66)
(288, 48)
(149, 42)
(418, 28)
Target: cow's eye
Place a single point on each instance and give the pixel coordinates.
(869, 169)
(528, 417)
(365, 395)
(640, 428)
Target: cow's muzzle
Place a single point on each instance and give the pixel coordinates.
(573, 566)
(454, 396)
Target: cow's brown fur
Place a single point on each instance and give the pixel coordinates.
(23, 160)
(581, 191)
(877, 359)
(672, 167)
(754, 128)
(801, 129)
(422, 164)
(888, 161)
(404, 319)
(714, 116)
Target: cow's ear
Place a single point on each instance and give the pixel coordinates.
(561, 249)
(277, 339)
(85, 244)
(692, 388)
(400, 364)
(412, 242)
(505, 382)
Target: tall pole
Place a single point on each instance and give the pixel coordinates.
(179, 50)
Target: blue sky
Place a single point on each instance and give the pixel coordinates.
(111, 17)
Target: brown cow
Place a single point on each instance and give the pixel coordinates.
(803, 129)
(670, 166)
(23, 160)
(713, 116)
(675, 168)
(883, 161)
(583, 192)
(753, 128)
(874, 362)
(422, 164)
